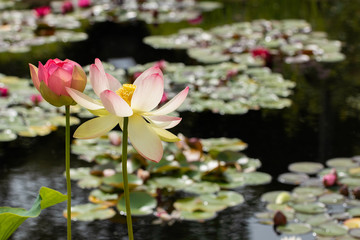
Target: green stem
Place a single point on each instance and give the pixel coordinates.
(125, 177)
(67, 166)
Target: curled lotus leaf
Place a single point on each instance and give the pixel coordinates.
(306, 167)
(141, 203)
(294, 228)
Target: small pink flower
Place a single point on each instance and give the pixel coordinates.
(330, 179)
(4, 92)
(36, 99)
(41, 12)
(52, 78)
(115, 138)
(67, 7)
(261, 52)
(231, 73)
(84, 3)
(109, 172)
(196, 21)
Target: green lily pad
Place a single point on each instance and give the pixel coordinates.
(351, 182)
(223, 144)
(310, 207)
(330, 229)
(141, 204)
(239, 179)
(98, 196)
(310, 191)
(332, 198)
(271, 197)
(355, 232)
(294, 228)
(202, 188)
(354, 212)
(197, 215)
(229, 198)
(7, 136)
(197, 204)
(318, 219)
(61, 121)
(341, 163)
(117, 181)
(293, 178)
(91, 212)
(306, 167)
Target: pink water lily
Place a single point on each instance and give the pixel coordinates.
(138, 101)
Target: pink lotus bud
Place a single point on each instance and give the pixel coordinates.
(36, 99)
(67, 7)
(114, 138)
(4, 92)
(52, 79)
(330, 179)
(41, 12)
(261, 52)
(196, 20)
(84, 3)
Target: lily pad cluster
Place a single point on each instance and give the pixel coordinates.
(314, 205)
(226, 88)
(253, 43)
(149, 11)
(194, 180)
(20, 30)
(23, 113)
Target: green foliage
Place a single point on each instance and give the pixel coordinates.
(12, 218)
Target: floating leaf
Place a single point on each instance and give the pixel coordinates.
(332, 198)
(293, 178)
(12, 218)
(352, 223)
(306, 167)
(341, 163)
(310, 207)
(91, 212)
(141, 203)
(330, 229)
(117, 181)
(294, 228)
(202, 188)
(197, 215)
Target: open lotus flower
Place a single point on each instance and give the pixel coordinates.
(52, 78)
(147, 125)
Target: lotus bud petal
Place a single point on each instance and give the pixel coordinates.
(279, 219)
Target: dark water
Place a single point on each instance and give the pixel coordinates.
(319, 125)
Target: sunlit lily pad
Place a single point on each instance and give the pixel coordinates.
(197, 215)
(310, 207)
(332, 198)
(7, 135)
(169, 182)
(100, 197)
(306, 167)
(354, 212)
(318, 219)
(238, 179)
(294, 228)
(341, 163)
(141, 203)
(330, 229)
(223, 144)
(202, 188)
(271, 197)
(293, 178)
(229, 198)
(310, 191)
(197, 204)
(351, 182)
(117, 181)
(91, 212)
(352, 223)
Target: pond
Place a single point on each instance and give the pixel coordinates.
(320, 124)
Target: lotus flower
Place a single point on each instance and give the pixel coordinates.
(330, 179)
(41, 12)
(36, 99)
(67, 7)
(147, 125)
(4, 92)
(52, 78)
(262, 53)
(84, 3)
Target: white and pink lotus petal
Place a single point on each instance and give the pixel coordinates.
(115, 104)
(98, 80)
(144, 139)
(173, 104)
(114, 84)
(59, 80)
(84, 100)
(163, 121)
(96, 127)
(165, 135)
(148, 72)
(148, 93)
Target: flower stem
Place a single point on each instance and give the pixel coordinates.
(67, 166)
(125, 177)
